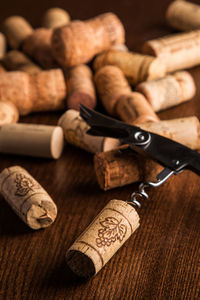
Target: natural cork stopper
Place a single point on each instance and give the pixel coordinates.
(121, 167)
(136, 67)
(16, 29)
(104, 236)
(8, 113)
(32, 140)
(182, 130)
(135, 109)
(81, 89)
(111, 85)
(38, 46)
(3, 45)
(75, 132)
(42, 91)
(183, 15)
(169, 91)
(27, 198)
(15, 60)
(79, 42)
(177, 51)
(55, 17)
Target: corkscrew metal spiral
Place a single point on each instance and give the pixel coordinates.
(142, 194)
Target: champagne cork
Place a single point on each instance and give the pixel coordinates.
(111, 85)
(32, 140)
(79, 42)
(8, 113)
(177, 51)
(169, 91)
(27, 198)
(75, 129)
(2, 45)
(43, 91)
(38, 46)
(55, 17)
(103, 237)
(15, 60)
(182, 130)
(120, 167)
(135, 109)
(183, 15)
(16, 29)
(136, 67)
(81, 87)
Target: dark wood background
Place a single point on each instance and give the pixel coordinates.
(161, 260)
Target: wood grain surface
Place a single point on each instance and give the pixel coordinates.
(161, 260)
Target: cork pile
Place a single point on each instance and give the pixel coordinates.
(66, 63)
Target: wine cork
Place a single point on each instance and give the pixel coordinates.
(3, 45)
(55, 17)
(111, 85)
(27, 198)
(42, 91)
(136, 67)
(79, 42)
(135, 109)
(16, 29)
(182, 130)
(8, 113)
(177, 51)
(120, 167)
(15, 60)
(103, 237)
(183, 15)
(75, 129)
(32, 140)
(38, 46)
(81, 87)
(169, 91)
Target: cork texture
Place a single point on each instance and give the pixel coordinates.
(81, 87)
(32, 140)
(16, 29)
(177, 51)
(103, 237)
(38, 46)
(15, 60)
(75, 129)
(27, 198)
(120, 167)
(135, 109)
(169, 91)
(136, 67)
(111, 85)
(182, 130)
(42, 91)
(79, 42)
(8, 113)
(183, 15)
(55, 17)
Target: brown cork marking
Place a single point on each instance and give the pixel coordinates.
(89, 245)
(26, 199)
(112, 231)
(24, 184)
(115, 210)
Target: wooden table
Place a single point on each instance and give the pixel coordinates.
(161, 260)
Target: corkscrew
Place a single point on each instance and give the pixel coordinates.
(119, 219)
(173, 156)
